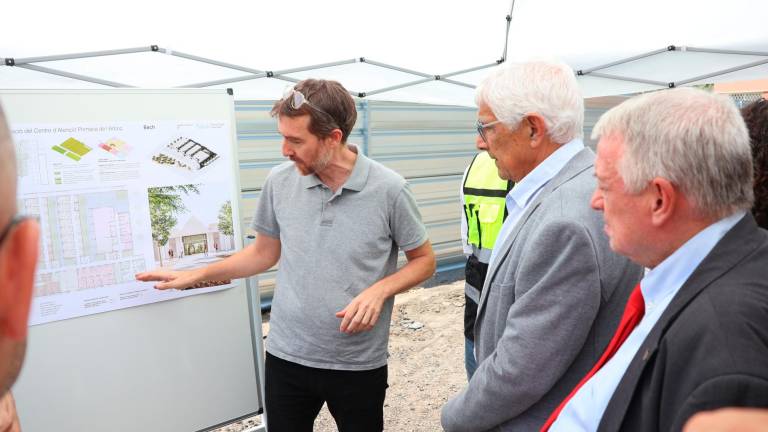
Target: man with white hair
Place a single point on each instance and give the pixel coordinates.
(554, 290)
(674, 175)
(18, 257)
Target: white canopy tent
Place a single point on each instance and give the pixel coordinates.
(426, 51)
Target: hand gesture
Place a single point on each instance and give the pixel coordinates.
(171, 279)
(362, 312)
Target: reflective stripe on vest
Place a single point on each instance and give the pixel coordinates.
(484, 201)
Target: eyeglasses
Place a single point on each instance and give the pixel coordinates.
(8, 228)
(481, 126)
(296, 99)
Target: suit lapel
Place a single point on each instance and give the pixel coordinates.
(581, 161)
(737, 244)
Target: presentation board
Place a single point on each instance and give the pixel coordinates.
(124, 181)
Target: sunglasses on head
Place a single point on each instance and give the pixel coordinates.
(296, 99)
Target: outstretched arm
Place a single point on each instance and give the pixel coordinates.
(262, 254)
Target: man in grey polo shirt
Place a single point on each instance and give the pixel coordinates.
(335, 221)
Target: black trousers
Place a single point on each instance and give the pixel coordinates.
(295, 394)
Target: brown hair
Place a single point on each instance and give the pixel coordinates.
(337, 105)
(756, 117)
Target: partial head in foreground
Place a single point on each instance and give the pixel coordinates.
(669, 163)
(18, 257)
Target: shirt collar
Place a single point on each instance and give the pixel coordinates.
(526, 189)
(359, 175)
(357, 178)
(667, 277)
(310, 181)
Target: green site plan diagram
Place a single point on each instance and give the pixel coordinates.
(72, 149)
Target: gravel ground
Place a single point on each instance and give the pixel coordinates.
(426, 364)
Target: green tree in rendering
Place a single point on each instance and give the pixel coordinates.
(165, 203)
(225, 219)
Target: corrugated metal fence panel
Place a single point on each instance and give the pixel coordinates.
(591, 115)
(430, 146)
(438, 201)
(422, 140)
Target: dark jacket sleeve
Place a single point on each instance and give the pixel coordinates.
(736, 390)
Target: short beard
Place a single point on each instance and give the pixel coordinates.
(322, 162)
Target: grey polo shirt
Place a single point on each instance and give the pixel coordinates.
(334, 246)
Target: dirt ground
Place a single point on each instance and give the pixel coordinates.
(426, 364)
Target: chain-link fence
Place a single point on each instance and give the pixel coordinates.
(744, 99)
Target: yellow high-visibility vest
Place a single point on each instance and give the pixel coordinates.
(484, 201)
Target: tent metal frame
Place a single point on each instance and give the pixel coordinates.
(674, 48)
(30, 63)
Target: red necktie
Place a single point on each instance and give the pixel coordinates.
(633, 313)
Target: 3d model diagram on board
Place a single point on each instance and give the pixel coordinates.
(185, 153)
(116, 147)
(72, 149)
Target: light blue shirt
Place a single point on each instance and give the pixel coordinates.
(585, 409)
(521, 196)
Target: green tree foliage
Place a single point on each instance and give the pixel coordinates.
(165, 203)
(225, 219)
(706, 87)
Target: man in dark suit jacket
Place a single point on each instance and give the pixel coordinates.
(674, 177)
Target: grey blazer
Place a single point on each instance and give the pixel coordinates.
(549, 307)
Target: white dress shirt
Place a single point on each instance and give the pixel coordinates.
(521, 196)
